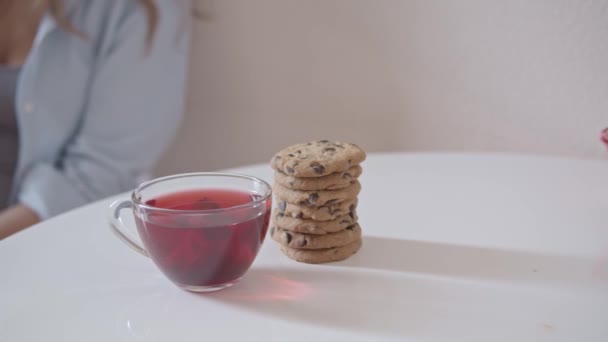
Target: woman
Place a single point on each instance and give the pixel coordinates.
(91, 93)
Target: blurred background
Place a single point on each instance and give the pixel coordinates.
(394, 75)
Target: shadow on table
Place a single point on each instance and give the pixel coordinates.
(469, 262)
(432, 291)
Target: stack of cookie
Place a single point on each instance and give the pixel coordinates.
(316, 188)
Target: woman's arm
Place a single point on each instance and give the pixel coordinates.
(15, 219)
(132, 113)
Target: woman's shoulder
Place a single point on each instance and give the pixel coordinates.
(107, 22)
(122, 7)
(94, 16)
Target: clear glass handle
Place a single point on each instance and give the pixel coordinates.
(118, 227)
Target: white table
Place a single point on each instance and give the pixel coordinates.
(457, 248)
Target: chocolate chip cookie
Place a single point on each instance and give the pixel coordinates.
(334, 181)
(309, 198)
(323, 213)
(314, 227)
(317, 158)
(311, 241)
(318, 256)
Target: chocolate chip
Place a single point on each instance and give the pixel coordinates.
(329, 149)
(347, 176)
(299, 151)
(352, 211)
(289, 169)
(317, 167)
(331, 201)
(324, 141)
(282, 206)
(299, 215)
(345, 221)
(277, 157)
(288, 237)
(350, 228)
(333, 210)
(312, 199)
(339, 145)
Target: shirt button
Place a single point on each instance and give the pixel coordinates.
(28, 107)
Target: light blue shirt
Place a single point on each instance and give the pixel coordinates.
(95, 114)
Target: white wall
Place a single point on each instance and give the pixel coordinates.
(519, 75)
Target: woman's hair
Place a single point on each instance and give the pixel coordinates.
(57, 10)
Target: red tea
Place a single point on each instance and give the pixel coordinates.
(204, 248)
